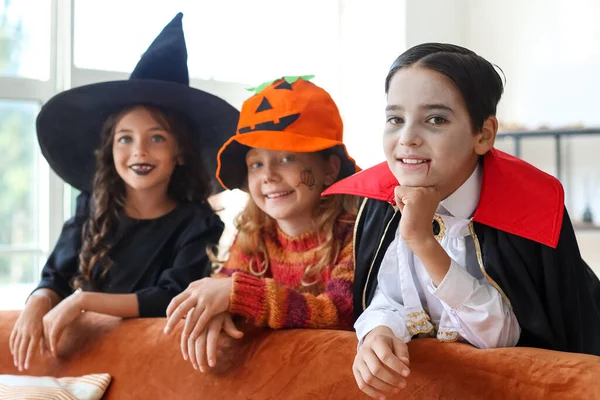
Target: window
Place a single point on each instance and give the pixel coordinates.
(70, 200)
(25, 38)
(17, 181)
(25, 81)
(20, 246)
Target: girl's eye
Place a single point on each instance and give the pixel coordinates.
(287, 159)
(124, 139)
(395, 120)
(255, 165)
(437, 120)
(158, 139)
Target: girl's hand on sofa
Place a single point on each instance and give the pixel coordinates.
(202, 352)
(381, 364)
(59, 318)
(27, 334)
(199, 303)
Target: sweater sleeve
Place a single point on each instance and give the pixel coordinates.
(266, 302)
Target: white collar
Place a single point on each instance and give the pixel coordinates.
(463, 202)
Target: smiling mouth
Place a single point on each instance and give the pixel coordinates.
(413, 161)
(142, 168)
(277, 195)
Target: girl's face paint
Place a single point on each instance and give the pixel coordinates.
(286, 185)
(307, 178)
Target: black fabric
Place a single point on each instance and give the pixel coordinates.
(435, 227)
(74, 119)
(284, 122)
(554, 294)
(166, 58)
(156, 259)
(285, 85)
(264, 105)
(372, 240)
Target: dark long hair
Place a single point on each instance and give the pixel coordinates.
(189, 183)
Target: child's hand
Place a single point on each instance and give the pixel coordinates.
(381, 364)
(59, 318)
(28, 332)
(201, 301)
(206, 346)
(418, 205)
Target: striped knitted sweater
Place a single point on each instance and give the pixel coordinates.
(278, 299)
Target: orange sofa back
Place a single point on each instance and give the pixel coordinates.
(300, 364)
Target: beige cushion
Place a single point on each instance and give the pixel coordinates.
(87, 387)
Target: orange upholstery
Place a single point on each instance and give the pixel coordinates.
(300, 364)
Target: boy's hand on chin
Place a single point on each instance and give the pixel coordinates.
(417, 205)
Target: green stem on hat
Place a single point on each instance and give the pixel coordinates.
(288, 79)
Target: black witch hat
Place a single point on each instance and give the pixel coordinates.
(69, 125)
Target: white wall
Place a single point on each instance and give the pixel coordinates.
(435, 21)
(372, 35)
(549, 51)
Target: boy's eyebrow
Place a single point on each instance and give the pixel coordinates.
(436, 107)
(395, 107)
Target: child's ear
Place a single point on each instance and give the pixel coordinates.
(333, 170)
(180, 160)
(487, 137)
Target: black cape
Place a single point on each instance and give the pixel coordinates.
(528, 249)
(554, 293)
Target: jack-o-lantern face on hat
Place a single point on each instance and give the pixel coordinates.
(266, 117)
(289, 114)
(281, 104)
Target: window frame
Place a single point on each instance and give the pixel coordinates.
(49, 187)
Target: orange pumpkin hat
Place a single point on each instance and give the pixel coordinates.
(288, 114)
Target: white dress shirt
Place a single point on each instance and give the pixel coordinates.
(465, 306)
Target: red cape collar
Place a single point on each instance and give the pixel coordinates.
(515, 196)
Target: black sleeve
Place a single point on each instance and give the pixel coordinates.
(189, 264)
(554, 294)
(63, 263)
(375, 230)
(577, 294)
